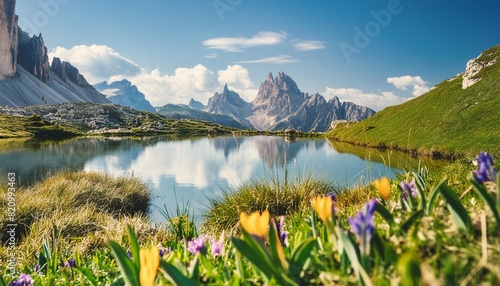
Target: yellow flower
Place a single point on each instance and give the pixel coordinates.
(323, 206)
(256, 223)
(384, 187)
(150, 261)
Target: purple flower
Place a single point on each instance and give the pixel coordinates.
(363, 226)
(333, 195)
(163, 250)
(129, 254)
(408, 188)
(217, 247)
(283, 235)
(70, 263)
(486, 171)
(24, 280)
(37, 267)
(197, 245)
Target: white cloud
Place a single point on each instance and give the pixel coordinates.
(235, 76)
(282, 59)
(211, 56)
(236, 44)
(96, 63)
(418, 85)
(197, 82)
(375, 101)
(308, 45)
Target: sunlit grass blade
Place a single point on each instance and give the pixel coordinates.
(257, 256)
(420, 189)
(411, 220)
(386, 215)
(126, 266)
(489, 199)
(433, 196)
(349, 247)
(385, 252)
(87, 273)
(174, 275)
(260, 257)
(276, 249)
(194, 269)
(42, 261)
(301, 255)
(458, 212)
(134, 248)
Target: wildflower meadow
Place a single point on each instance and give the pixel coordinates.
(412, 230)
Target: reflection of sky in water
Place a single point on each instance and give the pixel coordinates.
(195, 169)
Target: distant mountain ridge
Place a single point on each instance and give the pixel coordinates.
(280, 104)
(124, 93)
(26, 76)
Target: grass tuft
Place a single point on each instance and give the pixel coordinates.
(279, 197)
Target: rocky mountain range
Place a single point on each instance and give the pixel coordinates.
(280, 104)
(27, 77)
(124, 93)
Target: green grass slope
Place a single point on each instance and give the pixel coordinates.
(33, 126)
(447, 121)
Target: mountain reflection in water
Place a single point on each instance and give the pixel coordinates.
(192, 170)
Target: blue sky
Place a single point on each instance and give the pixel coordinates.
(375, 53)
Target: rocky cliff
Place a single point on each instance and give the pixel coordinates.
(8, 38)
(26, 77)
(280, 104)
(32, 55)
(124, 93)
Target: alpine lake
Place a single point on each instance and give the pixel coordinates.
(189, 171)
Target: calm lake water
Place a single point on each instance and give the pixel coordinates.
(192, 170)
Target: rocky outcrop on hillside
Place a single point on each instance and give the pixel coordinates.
(8, 38)
(95, 118)
(124, 93)
(473, 68)
(280, 105)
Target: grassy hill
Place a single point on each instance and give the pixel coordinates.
(447, 121)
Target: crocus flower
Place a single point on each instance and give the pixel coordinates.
(486, 171)
(384, 187)
(150, 262)
(24, 280)
(408, 188)
(70, 263)
(363, 226)
(37, 267)
(129, 254)
(217, 247)
(197, 245)
(256, 223)
(162, 250)
(323, 207)
(283, 235)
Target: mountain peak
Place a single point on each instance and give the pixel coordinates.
(226, 90)
(270, 77)
(124, 93)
